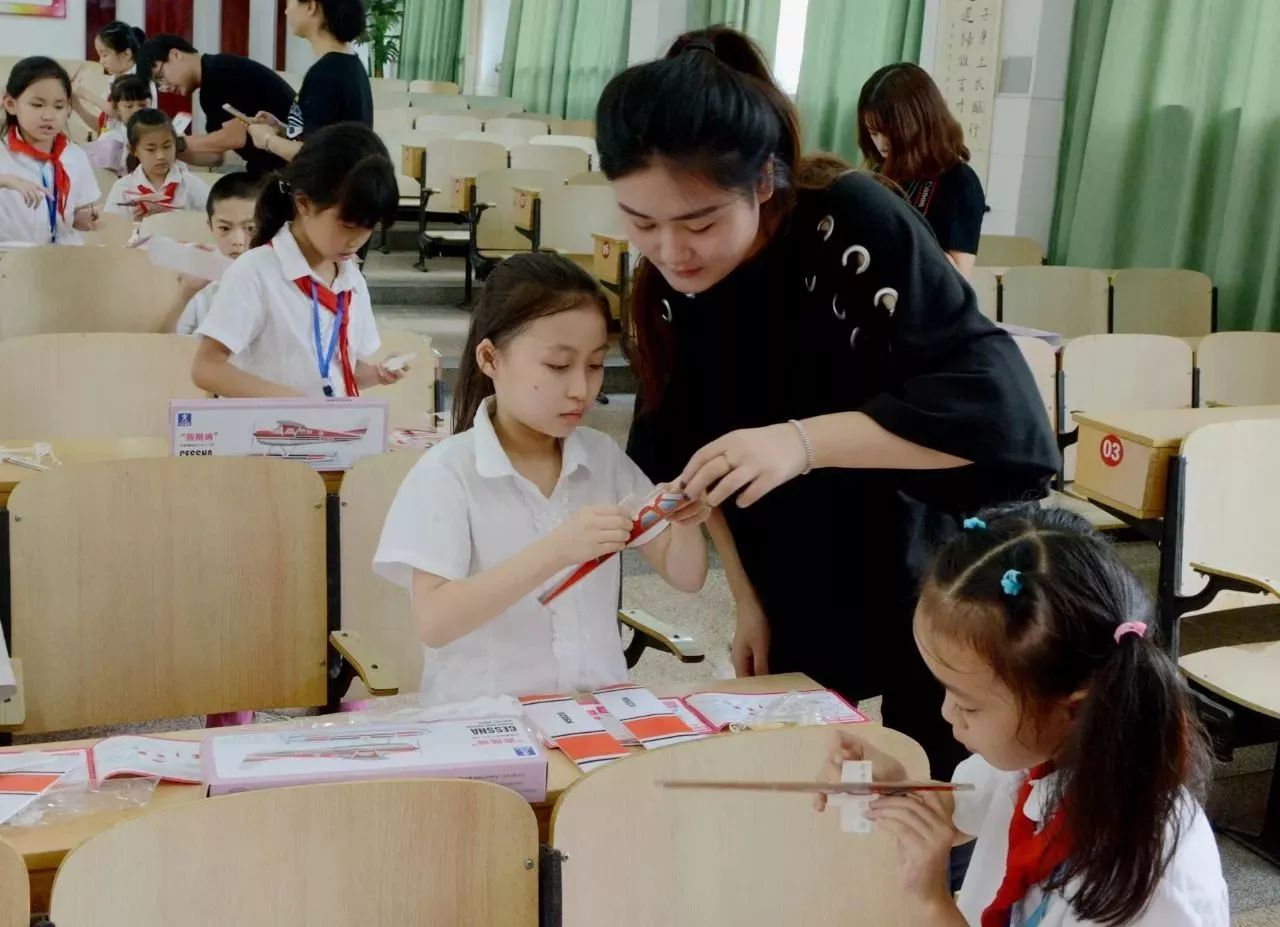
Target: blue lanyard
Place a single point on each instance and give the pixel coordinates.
(51, 200)
(1037, 916)
(325, 358)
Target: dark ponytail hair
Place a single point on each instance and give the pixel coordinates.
(711, 106)
(140, 121)
(345, 20)
(25, 73)
(121, 37)
(520, 290)
(1136, 742)
(343, 165)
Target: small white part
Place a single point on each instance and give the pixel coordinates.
(863, 261)
(853, 809)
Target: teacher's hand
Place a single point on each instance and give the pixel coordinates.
(262, 134)
(753, 460)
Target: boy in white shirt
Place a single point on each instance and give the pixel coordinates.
(231, 218)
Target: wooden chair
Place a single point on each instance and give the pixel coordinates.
(569, 216)
(438, 103)
(520, 128)
(506, 141)
(1162, 301)
(57, 289)
(92, 386)
(15, 889)
(987, 286)
(561, 160)
(583, 127)
(1008, 251)
(447, 159)
(397, 119)
(572, 141)
(411, 400)
(387, 85)
(180, 225)
(113, 231)
(588, 178)
(435, 87)
(1042, 361)
(448, 126)
(677, 840)
(436, 853)
(492, 231)
(390, 99)
(163, 587)
(494, 106)
(1239, 369)
(1071, 301)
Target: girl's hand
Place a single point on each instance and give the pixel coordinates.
(387, 377)
(750, 650)
(847, 746)
(921, 823)
(596, 531)
(690, 513)
(753, 460)
(86, 219)
(32, 194)
(262, 134)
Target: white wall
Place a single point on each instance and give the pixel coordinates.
(298, 57)
(134, 12)
(654, 25)
(38, 35)
(262, 31)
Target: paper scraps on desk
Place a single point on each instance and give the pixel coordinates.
(34, 457)
(649, 520)
(644, 716)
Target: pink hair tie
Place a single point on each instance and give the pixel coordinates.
(1131, 627)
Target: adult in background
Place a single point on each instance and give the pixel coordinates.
(907, 133)
(336, 87)
(118, 46)
(245, 84)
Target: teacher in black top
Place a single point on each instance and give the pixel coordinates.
(248, 86)
(907, 133)
(811, 364)
(335, 89)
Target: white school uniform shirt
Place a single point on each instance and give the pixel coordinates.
(196, 309)
(192, 192)
(464, 509)
(266, 322)
(20, 222)
(1191, 893)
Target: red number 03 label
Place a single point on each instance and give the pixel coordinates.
(1112, 451)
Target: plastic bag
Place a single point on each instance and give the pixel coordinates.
(795, 709)
(73, 799)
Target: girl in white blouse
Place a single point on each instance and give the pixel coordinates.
(1088, 757)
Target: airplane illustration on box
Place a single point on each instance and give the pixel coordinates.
(295, 434)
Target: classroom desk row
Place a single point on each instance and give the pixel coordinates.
(43, 847)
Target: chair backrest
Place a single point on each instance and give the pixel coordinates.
(590, 178)
(1231, 509)
(572, 141)
(1071, 301)
(520, 128)
(583, 127)
(15, 888)
(156, 588)
(113, 231)
(437, 87)
(984, 283)
(494, 106)
(416, 851)
(1042, 360)
(1162, 301)
(1008, 251)
(496, 231)
(449, 158)
(378, 610)
(1239, 368)
(387, 84)
(180, 225)
(106, 180)
(398, 119)
(58, 289)
(437, 103)
(93, 386)
(506, 141)
(390, 99)
(676, 839)
(446, 125)
(1119, 373)
(558, 159)
(411, 401)
(570, 215)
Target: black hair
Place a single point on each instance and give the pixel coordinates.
(156, 50)
(520, 290)
(27, 72)
(1136, 743)
(710, 106)
(344, 19)
(130, 88)
(343, 165)
(237, 186)
(121, 37)
(138, 122)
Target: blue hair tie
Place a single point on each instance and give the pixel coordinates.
(1011, 582)
(975, 524)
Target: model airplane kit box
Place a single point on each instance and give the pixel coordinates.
(497, 750)
(328, 434)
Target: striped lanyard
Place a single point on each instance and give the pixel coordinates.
(50, 182)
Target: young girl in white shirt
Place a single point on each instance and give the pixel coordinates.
(156, 172)
(47, 188)
(520, 494)
(1089, 758)
(292, 316)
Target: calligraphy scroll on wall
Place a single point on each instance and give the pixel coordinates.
(966, 70)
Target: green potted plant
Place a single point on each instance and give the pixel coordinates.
(384, 18)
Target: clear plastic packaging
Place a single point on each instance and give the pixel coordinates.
(73, 799)
(794, 709)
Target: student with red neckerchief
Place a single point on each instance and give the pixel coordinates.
(47, 187)
(1089, 761)
(158, 182)
(292, 316)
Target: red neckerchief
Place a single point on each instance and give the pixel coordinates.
(61, 179)
(329, 300)
(102, 123)
(170, 191)
(1033, 856)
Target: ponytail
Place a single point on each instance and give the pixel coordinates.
(274, 210)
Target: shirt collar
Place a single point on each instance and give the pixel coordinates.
(1042, 791)
(175, 175)
(295, 265)
(492, 460)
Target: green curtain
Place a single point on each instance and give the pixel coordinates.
(432, 40)
(1170, 143)
(559, 54)
(757, 18)
(844, 44)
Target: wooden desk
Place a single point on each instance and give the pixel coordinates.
(464, 194)
(413, 161)
(526, 201)
(43, 848)
(610, 258)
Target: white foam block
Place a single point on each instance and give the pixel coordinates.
(853, 809)
(194, 260)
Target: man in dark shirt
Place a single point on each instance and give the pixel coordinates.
(243, 83)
